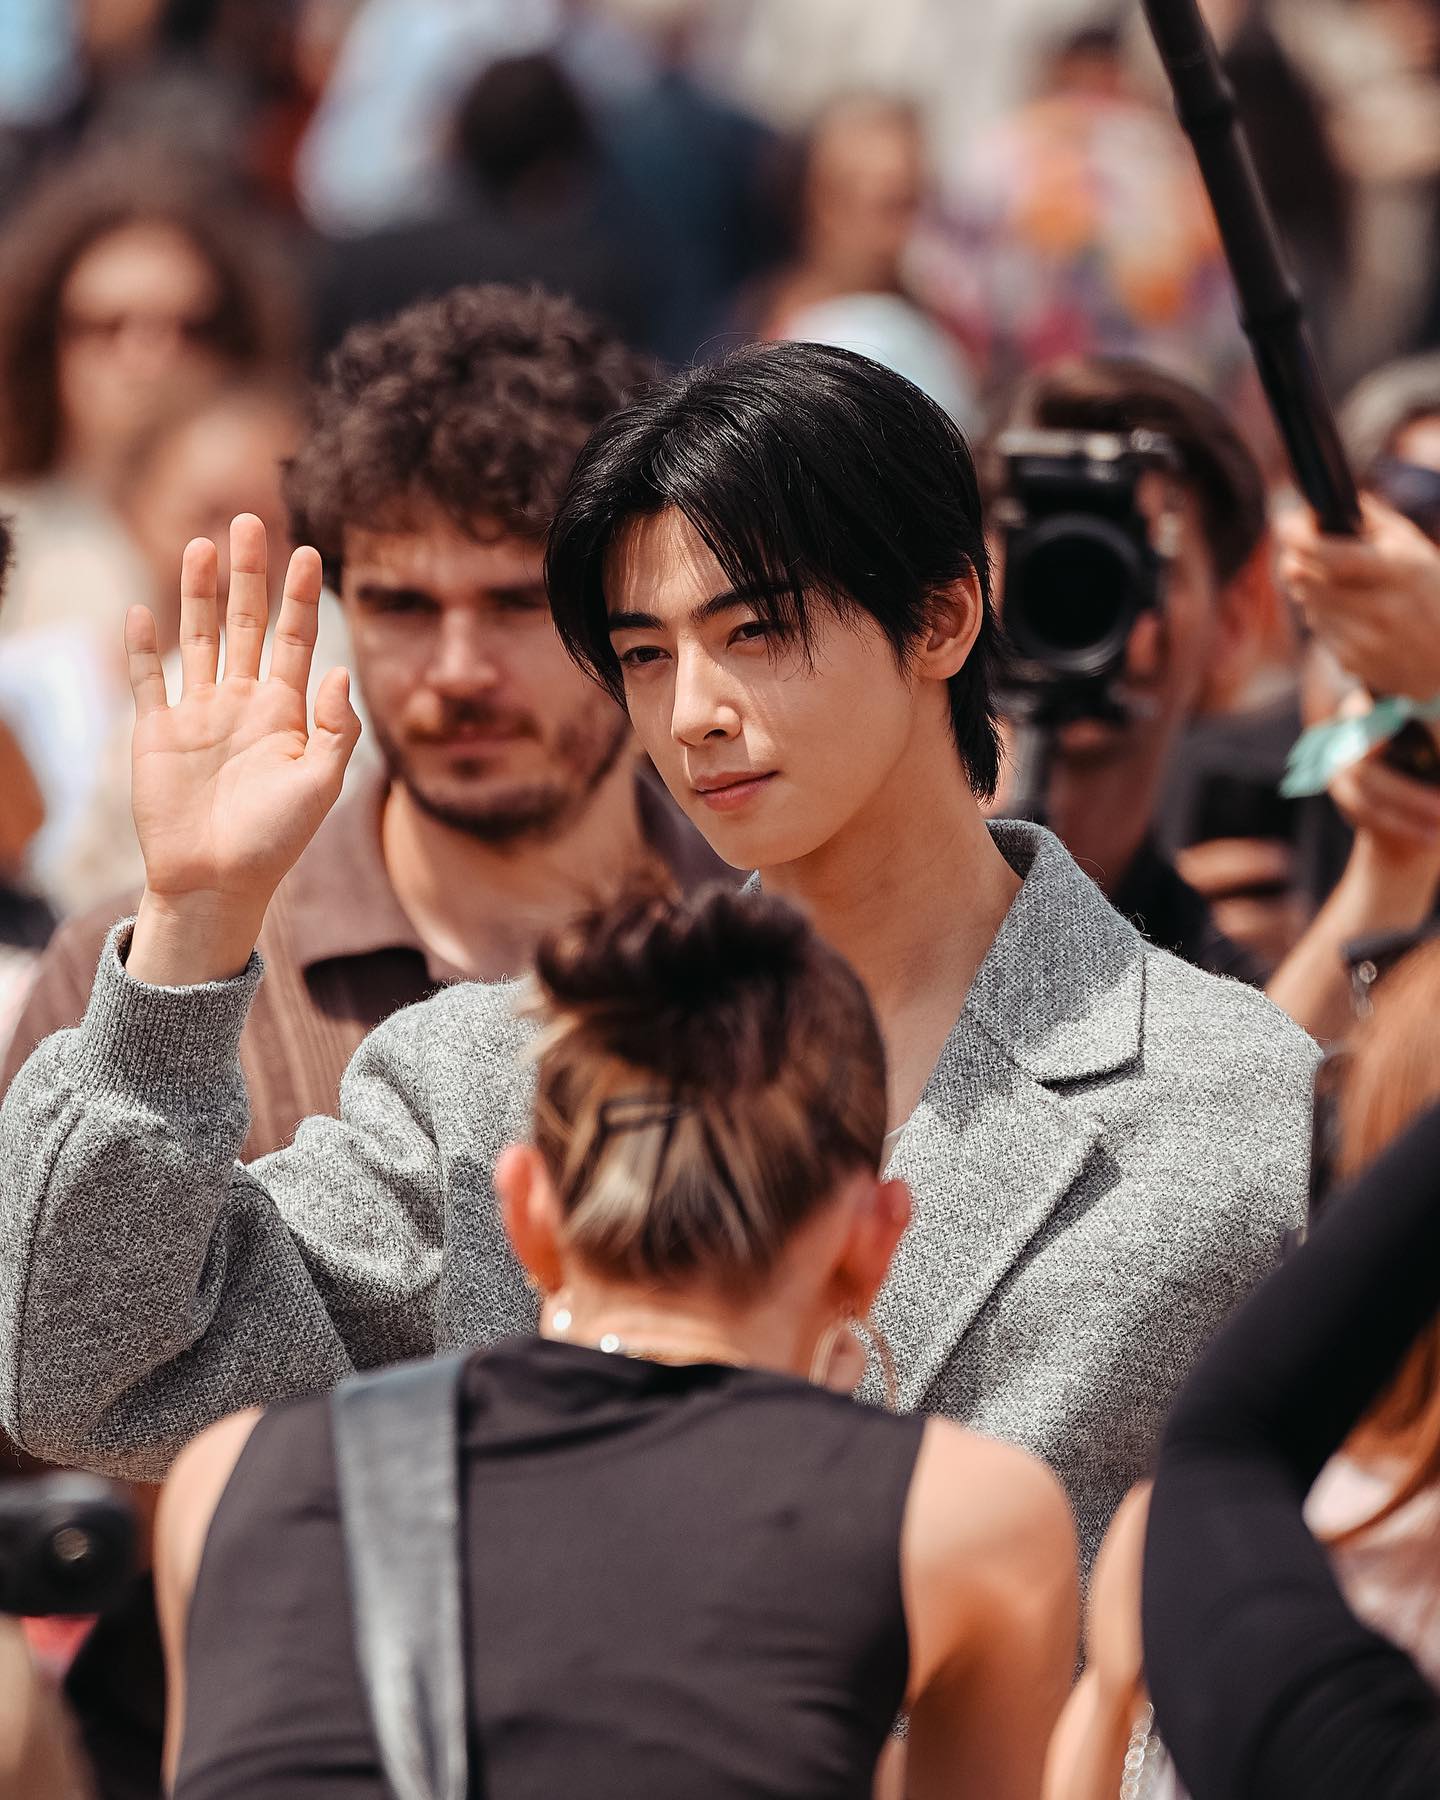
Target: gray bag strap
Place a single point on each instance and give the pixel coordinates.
(397, 1458)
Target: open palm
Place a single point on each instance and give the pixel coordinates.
(230, 784)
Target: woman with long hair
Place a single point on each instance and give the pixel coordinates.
(130, 285)
(686, 1568)
(129, 289)
(1376, 1504)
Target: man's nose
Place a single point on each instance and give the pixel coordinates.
(1145, 650)
(142, 350)
(702, 707)
(465, 660)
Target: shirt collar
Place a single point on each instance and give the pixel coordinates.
(338, 896)
(340, 902)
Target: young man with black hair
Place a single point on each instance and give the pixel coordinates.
(1208, 522)
(508, 790)
(779, 564)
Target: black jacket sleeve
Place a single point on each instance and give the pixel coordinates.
(1264, 1682)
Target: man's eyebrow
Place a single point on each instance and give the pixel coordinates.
(391, 590)
(510, 590)
(724, 602)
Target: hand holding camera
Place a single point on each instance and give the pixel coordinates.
(1397, 814)
(1388, 886)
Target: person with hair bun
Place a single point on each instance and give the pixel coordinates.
(686, 1569)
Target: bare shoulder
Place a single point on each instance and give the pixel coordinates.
(188, 1500)
(983, 1513)
(989, 1567)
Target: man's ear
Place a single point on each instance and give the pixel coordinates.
(531, 1214)
(956, 613)
(880, 1211)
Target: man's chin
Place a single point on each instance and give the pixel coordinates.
(495, 813)
(751, 844)
(1085, 741)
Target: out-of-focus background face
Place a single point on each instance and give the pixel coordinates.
(198, 467)
(198, 197)
(864, 187)
(135, 335)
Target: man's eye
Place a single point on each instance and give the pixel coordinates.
(527, 600)
(400, 601)
(639, 656)
(753, 631)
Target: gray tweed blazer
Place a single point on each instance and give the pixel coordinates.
(1107, 1156)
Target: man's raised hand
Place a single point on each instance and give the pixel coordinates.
(229, 784)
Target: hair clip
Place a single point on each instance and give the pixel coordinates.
(638, 1112)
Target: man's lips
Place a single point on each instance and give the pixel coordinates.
(724, 793)
(467, 736)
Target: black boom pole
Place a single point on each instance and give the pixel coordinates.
(1270, 306)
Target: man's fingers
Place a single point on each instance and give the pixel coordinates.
(1384, 557)
(1387, 527)
(248, 611)
(294, 642)
(1373, 794)
(199, 620)
(337, 726)
(142, 655)
(1338, 578)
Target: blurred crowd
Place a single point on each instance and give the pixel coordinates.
(198, 200)
(212, 213)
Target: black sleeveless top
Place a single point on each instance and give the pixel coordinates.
(679, 1580)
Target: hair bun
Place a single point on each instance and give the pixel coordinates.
(652, 980)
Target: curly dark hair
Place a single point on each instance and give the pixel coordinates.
(74, 206)
(476, 402)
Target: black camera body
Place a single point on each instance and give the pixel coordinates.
(1083, 562)
(67, 1545)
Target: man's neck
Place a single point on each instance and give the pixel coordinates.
(483, 909)
(1102, 816)
(912, 893)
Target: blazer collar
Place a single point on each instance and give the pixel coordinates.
(991, 1150)
(1062, 987)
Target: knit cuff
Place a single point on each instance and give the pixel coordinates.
(162, 1044)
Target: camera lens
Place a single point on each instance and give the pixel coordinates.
(67, 1545)
(1071, 595)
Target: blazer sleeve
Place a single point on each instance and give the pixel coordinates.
(150, 1283)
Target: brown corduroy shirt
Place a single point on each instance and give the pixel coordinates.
(340, 955)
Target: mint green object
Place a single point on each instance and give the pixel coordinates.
(1319, 754)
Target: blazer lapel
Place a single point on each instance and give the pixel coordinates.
(988, 1154)
(991, 1150)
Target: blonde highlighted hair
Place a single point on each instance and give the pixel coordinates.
(708, 1071)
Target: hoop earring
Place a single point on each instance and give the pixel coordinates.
(825, 1349)
(875, 1340)
(867, 1337)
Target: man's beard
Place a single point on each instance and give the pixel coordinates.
(533, 812)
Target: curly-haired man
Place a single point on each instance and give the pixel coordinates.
(509, 789)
